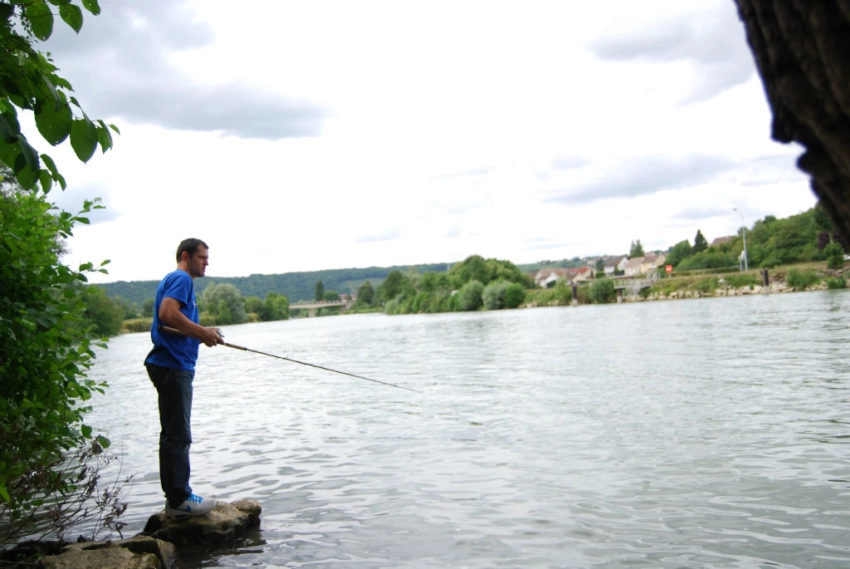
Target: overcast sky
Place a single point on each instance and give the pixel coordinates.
(300, 136)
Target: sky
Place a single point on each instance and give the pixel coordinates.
(302, 136)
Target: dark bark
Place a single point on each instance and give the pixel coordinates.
(802, 52)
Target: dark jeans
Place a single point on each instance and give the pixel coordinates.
(174, 387)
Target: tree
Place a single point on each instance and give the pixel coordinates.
(366, 294)
(320, 291)
(104, 315)
(224, 303)
(331, 296)
(29, 82)
(700, 243)
(396, 286)
(679, 252)
(477, 268)
(275, 307)
(636, 250)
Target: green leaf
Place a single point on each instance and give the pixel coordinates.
(92, 6)
(83, 138)
(46, 181)
(103, 136)
(72, 15)
(6, 11)
(53, 120)
(26, 166)
(10, 128)
(41, 18)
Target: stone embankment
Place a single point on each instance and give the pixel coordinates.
(157, 546)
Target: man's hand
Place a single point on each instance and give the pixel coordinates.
(210, 336)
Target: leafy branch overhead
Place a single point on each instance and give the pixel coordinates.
(29, 81)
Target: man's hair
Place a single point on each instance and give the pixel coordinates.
(190, 246)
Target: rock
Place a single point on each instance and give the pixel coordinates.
(223, 524)
(156, 546)
(140, 552)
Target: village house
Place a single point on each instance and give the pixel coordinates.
(615, 265)
(645, 265)
(545, 278)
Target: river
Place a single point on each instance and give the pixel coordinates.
(673, 434)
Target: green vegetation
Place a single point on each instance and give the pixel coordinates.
(806, 237)
(46, 344)
(602, 291)
(801, 279)
(30, 83)
(49, 457)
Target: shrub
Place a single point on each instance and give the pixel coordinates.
(469, 296)
(707, 285)
(494, 295)
(834, 283)
(801, 280)
(45, 351)
(602, 291)
(834, 256)
(742, 280)
(514, 295)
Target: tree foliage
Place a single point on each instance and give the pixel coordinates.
(700, 242)
(636, 249)
(224, 304)
(680, 251)
(477, 268)
(105, 315)
(366, 294)
(29, 81)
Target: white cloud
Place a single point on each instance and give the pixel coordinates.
(304, 136)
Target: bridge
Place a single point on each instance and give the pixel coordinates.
(314, 306)
(631, 286)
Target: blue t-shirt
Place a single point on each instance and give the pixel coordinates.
(174, 350)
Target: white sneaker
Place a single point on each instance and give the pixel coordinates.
(194, 505)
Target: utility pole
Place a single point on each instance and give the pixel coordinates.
(744, 229)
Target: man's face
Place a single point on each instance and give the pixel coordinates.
(198, 262)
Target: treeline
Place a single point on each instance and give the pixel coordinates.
(296, 287)
(472, 284)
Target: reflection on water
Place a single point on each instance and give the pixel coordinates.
(700, 433)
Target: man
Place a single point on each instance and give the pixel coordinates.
(176, 336)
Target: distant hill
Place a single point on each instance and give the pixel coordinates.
(295, 286)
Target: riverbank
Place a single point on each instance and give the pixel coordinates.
(603, 291)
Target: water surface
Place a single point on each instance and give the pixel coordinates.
(698, 433)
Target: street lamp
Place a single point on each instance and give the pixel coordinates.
(744, 228)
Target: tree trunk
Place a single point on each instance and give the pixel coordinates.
(802, 52)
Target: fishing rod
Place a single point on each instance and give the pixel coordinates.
(245, 349)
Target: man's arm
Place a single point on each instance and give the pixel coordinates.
(170, 315)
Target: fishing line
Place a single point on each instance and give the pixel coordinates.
(245, 349)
